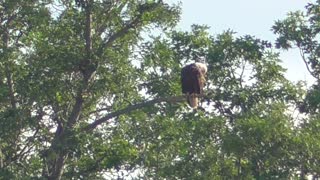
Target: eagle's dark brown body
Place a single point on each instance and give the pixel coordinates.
(192, 82)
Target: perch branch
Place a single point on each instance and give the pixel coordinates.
(132, 108)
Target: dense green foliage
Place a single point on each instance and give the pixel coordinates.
(90, 89)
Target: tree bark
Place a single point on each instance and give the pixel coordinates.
(57, 168)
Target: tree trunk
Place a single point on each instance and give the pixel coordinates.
(57, 169)
(59, 145)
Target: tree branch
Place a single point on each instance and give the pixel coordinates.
(8, 72)
(134, 22)
(100, 110)
(132, 108)
(76, 110)
(102, 28)
(27, 145)
(306, 63)
(242, 72)
(117, 35)
(88, 29)
(85, 68)
(10, 86)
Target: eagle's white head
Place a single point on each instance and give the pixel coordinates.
(202, 67)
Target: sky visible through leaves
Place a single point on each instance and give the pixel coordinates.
(247, 17)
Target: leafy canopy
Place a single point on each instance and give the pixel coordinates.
(90, 89)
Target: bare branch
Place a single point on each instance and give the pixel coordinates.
(242, 71)
(28, 147)
(132, 108)
(306, 63)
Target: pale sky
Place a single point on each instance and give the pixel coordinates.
(253, 17)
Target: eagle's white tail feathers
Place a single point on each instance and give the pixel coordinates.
(193, 100)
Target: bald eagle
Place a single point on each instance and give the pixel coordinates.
(192, 82)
